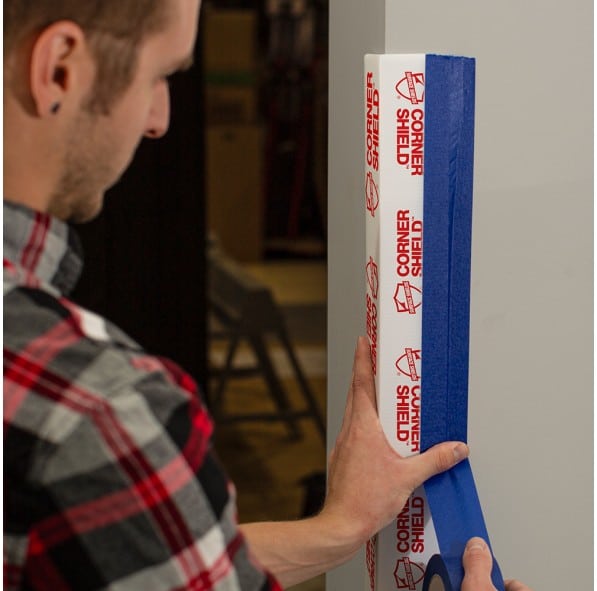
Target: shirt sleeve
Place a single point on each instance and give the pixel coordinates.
(120, 488)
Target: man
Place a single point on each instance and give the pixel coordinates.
(110, 480)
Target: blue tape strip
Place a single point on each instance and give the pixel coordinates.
(448, 184)
(457, 517)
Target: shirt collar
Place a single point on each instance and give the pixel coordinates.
(42, 246)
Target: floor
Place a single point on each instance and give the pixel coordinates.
(277, 475)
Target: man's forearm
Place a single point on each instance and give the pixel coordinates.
(294, 551)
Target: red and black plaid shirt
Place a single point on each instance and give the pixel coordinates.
(109, 481)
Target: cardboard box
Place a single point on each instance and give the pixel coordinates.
(234, 171)
(227, 104)
(229, 40)
(231, 66)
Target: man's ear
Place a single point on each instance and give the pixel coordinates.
(59, 67)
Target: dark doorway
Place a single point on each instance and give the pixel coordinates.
(145, 254)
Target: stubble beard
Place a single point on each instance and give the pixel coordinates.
(87, 172)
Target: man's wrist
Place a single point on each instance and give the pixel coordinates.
(345, 533)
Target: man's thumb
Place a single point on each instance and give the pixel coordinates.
(477, 561)
(437, 459)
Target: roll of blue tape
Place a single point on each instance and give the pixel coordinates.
(448, 183)
(457, 517)
(437, 577)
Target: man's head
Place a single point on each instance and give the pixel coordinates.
(114, 30)
(83, 82)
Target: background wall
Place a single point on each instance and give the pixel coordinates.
(531, 392)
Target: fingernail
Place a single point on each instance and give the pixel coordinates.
(460, 452)
(476, 544)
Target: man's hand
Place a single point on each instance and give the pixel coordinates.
(368, 482)
(477, 562)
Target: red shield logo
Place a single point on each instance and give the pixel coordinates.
(412, 87)
(371, 194)
(409, 364)
(407, 297)
(372, 278)
(408, 574)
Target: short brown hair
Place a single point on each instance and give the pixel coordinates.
(114, 30)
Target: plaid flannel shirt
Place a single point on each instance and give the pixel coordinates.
(109, 480)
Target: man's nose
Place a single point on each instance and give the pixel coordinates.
(159, 115)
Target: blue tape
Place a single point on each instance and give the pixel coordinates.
(436, 568)
(447, 214)
(457, 517)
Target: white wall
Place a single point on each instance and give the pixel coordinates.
(531, 394)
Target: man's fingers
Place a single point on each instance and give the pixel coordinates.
(437, 459)
(363, 380)
(348, 406)
(349, 398)
(477, 562)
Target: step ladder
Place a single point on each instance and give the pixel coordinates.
(245, 310)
